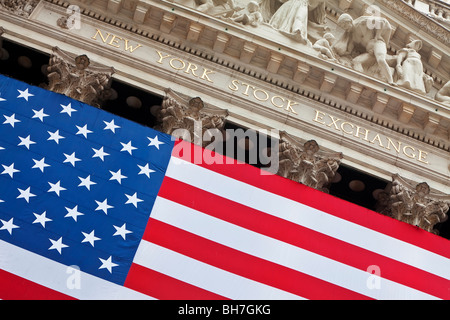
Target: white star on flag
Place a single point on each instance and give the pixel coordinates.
(25, 194)
(121, 231)
(40, 164)
(127, 147)
(55, 136)
(117, 176)
(73, 213)
(104, 206)
(86, 182)
(89, 237)
(68, 109)
(133, 199)
(71, 159)
(57, 245)
(41, 218)
(1, 99)
(83, 130)
(100, 153)
(8, 225)
(24, 94)
(11, 120)
(9, 170)
(145, 170)
(39, 114)
(155, 142)
(56, 187)
(111, 126)
(26, 142)
(107, 264)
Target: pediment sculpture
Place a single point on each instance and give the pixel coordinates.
(19, 7)
(306, 163)
(443, 95)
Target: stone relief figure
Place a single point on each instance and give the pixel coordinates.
(306, 163)
(324, 46)
(410, 69)
(75, 77)
(217, 8)
(252, 16)
(292, 18)
(369, 36)
(443, 95)
(20, 7)
(268, 8)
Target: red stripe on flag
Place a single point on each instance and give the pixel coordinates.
(302, 237)
(13, 287)
(314, 198)
(163, 287)
(243, 264)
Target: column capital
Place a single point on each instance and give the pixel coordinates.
(78, 78)
(416, 204)
(306, 163)
(189, 118)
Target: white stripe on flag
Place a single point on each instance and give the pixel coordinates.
(308, 217)
(278, 252)
(204, 276)
(54, 275)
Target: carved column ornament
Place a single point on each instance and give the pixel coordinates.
(19, 7)
(415, 204)
(3, 53)
(306, 163)
(197, 121)
(76, 77)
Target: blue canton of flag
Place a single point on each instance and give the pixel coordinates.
(77, 184)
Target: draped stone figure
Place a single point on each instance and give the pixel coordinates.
(443, 95)
(293, 16)
(268, 8)
(410, 69)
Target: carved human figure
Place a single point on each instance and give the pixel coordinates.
(370, 35)
(269, 7)
(410, 69)
(216, 7)
(252, 17)
(324, 46)
(291, 19)
(443, 95)
(20, 7)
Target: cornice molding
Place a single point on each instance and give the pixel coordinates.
(296, 82)
(419, 19)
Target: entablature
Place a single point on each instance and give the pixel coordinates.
(288, 73)
(291, 65)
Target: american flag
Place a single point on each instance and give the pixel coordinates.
(93, 206)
